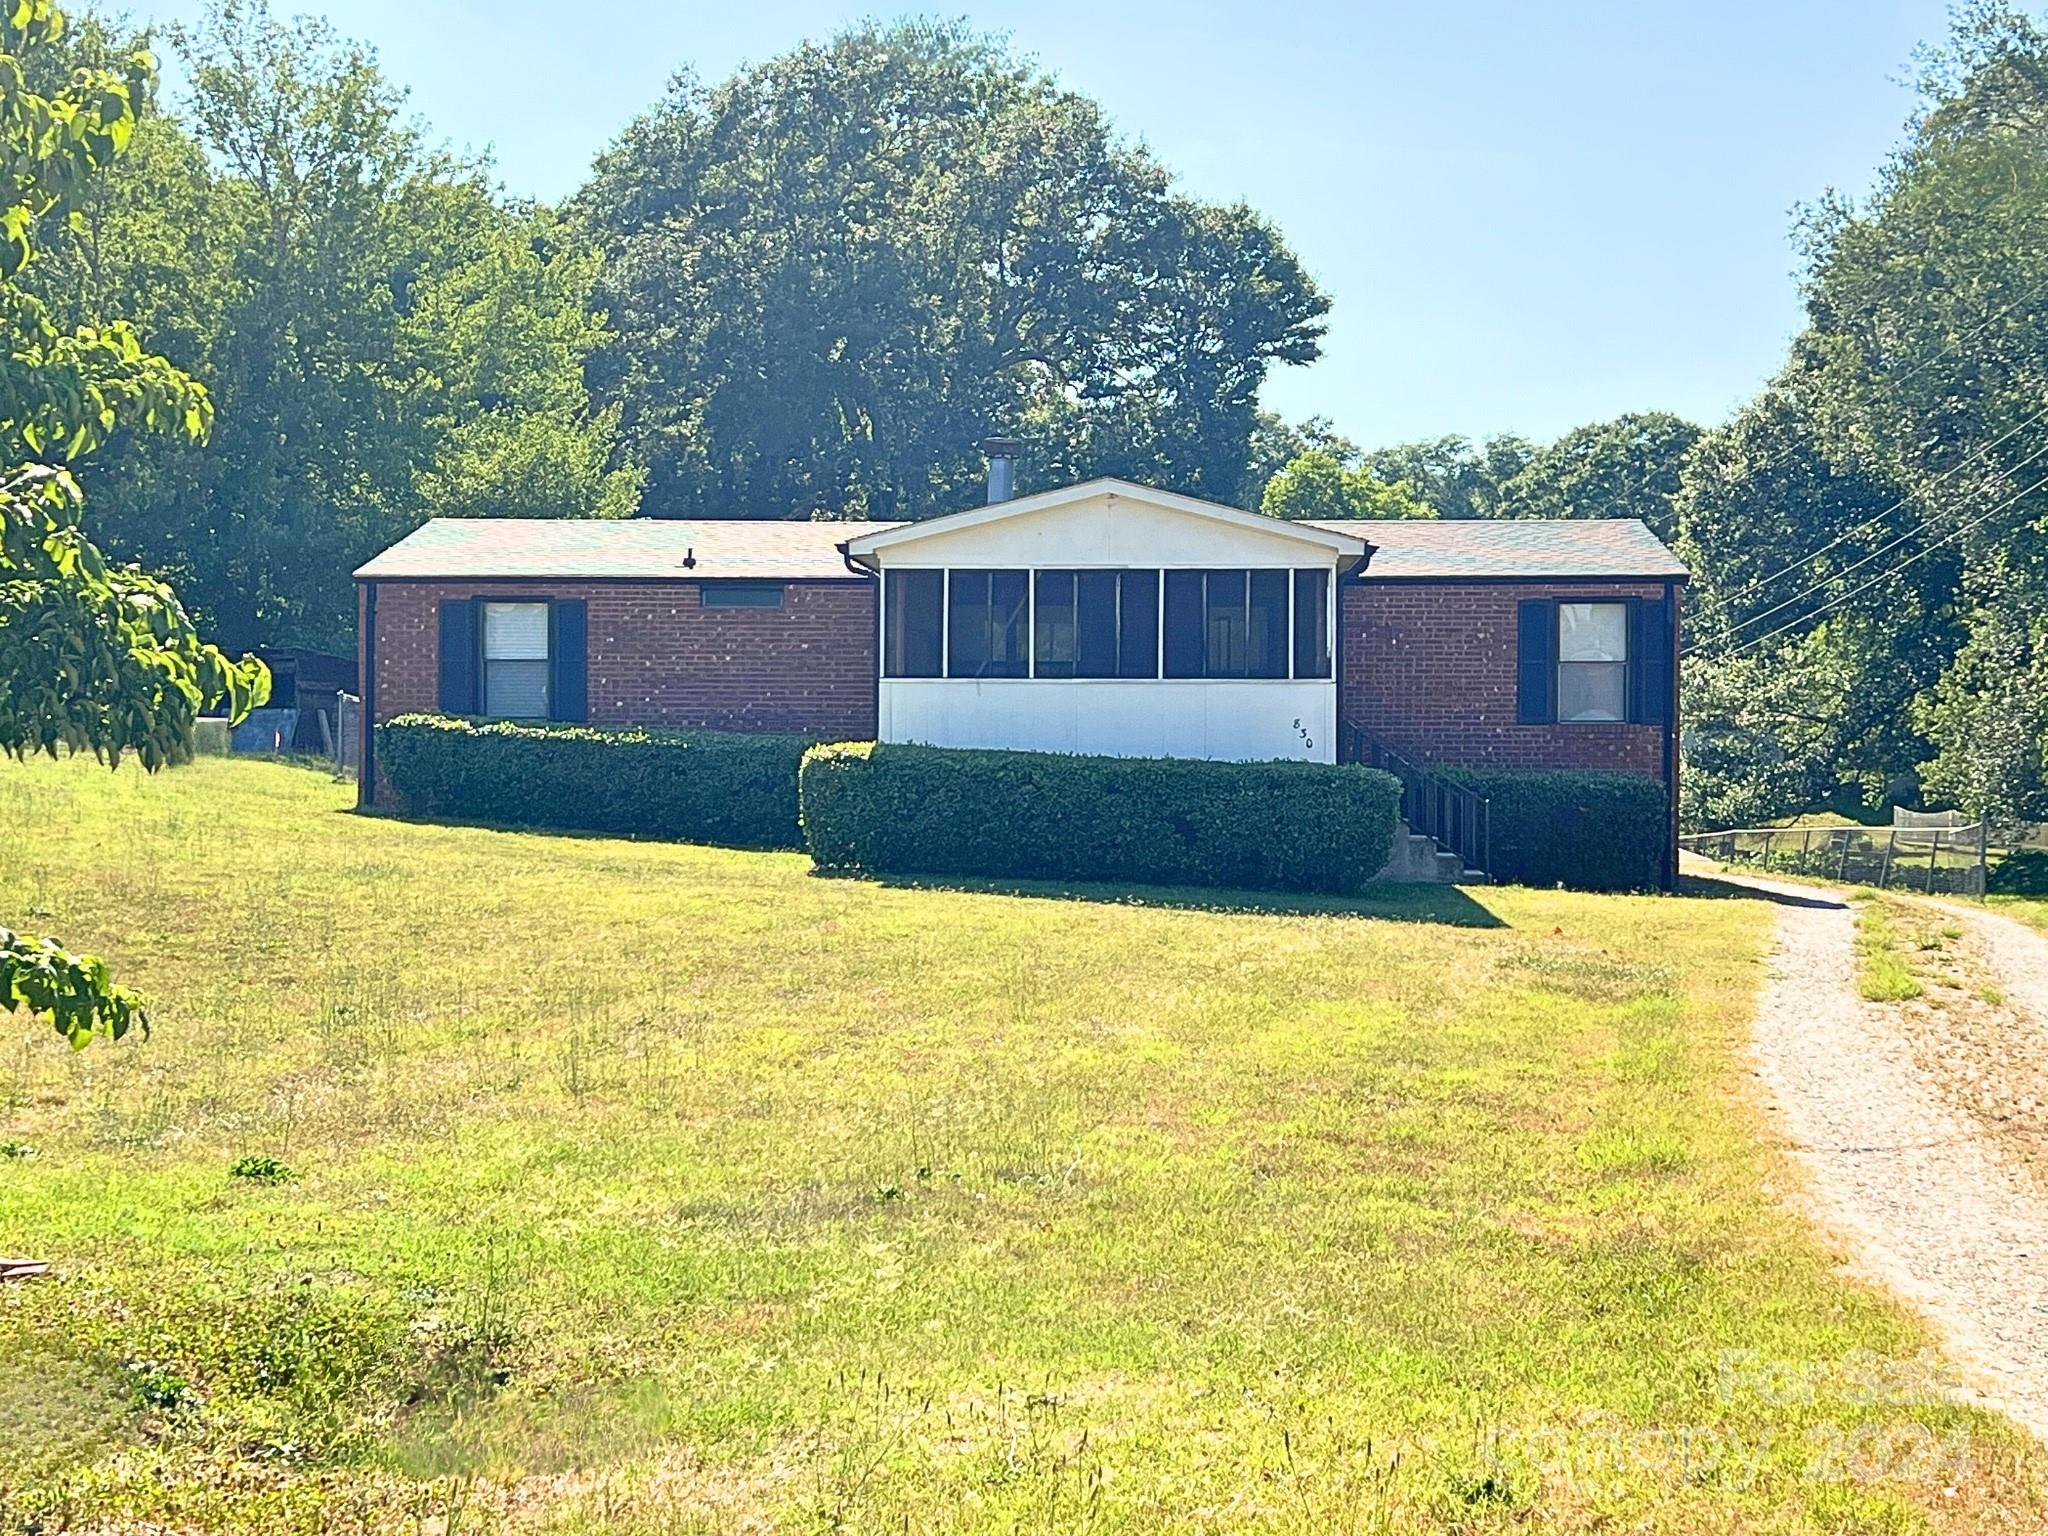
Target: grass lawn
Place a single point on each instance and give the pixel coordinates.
(634, 1187)
(2028, 909)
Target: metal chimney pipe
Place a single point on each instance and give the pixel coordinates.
(1002, 467)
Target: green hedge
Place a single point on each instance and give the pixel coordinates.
(892, 809)
(1589, 831)
(695, 786)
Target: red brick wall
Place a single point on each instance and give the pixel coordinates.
(657, 656)
(1429, 669)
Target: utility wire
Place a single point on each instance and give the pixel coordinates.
(1885, 575)
(1871, 522)
(1847, 570)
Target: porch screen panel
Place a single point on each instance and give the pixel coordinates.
(988, 619)
(1184, 648)
(1311, 624)
(1266, 625)
(1095, 624)
(1224, 627)
(1137, 644)
(1053, 636)
(915, 601)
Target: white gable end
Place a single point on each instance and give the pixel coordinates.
(1106, 524)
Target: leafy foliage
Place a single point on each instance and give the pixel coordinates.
(386, 338)
(74, 992)
(835, 272)
(92, 658)
(64, 389)
(1319, 485)
(892, 809)
(698, 786)
(1894, 473)
(1588, 831)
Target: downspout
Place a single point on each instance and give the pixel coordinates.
(875, 577)
(366, 787)
(1671, 599)
(1345, 578)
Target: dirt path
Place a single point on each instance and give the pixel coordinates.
(1915, 1188)
(2016, 954)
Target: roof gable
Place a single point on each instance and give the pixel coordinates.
(1328, 541)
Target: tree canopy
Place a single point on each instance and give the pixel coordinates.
(92, 658)
(1871, 537)
(833, 274)
(385, 338)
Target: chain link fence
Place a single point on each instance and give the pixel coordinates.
(1939, 860)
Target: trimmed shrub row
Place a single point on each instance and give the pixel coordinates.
(889, 809)
(1590, 831)
(695, 786)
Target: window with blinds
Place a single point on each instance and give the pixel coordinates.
(515, 647)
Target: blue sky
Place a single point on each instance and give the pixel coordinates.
(1529, 216)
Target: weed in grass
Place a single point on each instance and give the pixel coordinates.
(1884, 975)
(262, 1168)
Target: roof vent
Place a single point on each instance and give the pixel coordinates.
(1002, 467)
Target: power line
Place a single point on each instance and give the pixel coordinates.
(1848, 570)
(1870, 522)
(1885, 575)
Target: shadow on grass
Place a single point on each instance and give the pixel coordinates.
(1446, 904)
(1714, 889)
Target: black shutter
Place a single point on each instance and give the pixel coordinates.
(568, 660)
(459, 657)
(1649, 671)
(1536, 662)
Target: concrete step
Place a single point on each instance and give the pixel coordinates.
(1416, 858)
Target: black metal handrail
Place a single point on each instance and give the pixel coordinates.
(1455, 814)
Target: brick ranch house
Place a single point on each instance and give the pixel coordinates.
(1102, 617)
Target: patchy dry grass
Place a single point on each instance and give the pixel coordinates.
(588, 1185)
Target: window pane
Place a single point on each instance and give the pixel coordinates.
(1311, 623)
(1095, 619)
(988, 615)
(516, 631)
(911, 646)
(1137, 642)
(742, 594)
(1592, 690)
(516, 690)
(1592, 632)
(1223, 626)
(1183, 623)
(1053, 624)
(1266, 632)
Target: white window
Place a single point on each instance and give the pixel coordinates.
(1592, 661)
(516, 660)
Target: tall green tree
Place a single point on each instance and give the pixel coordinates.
(1627, 467)
(1319, 485)
(833, 274)
(1458, 477)
(92, 658)
(387, 339)
(1921, 386)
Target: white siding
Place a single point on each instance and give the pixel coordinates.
(1238, 721)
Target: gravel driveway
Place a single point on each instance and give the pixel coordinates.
(1918, 1191)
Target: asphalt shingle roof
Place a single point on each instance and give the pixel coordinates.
(573, 548)
(1571, 549)
(644, 548)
